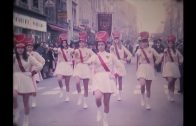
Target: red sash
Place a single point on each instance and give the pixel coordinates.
(20, 65)
(148, 61)
(81, 57)
(116, 50)
(103, 63)
(137, 62)
(64, 56)
(172, 59)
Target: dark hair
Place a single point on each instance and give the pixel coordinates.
(24, 55)
(173, 48)
(61, 44)
(103, 42)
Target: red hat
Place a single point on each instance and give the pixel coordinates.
(116, 34)
(144, 35)
(29, 40)
(101, 36)
(171, 38)
(19, 40)
(83, 36)
(63, 37)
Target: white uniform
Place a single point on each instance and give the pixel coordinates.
(38, 57)
(64, 67)
(102, 80)
(82, 70)
(171, 69)
(122, 52)
(146, 70)
(23, 82)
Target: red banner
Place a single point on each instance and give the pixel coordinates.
(104, 22)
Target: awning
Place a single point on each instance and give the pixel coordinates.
(57, 28)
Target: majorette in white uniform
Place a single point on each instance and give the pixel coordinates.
(23, 82)
(103, 80)
(64, 67)
(81, 68)
(146, 70)
(171, 68)
(122, 54)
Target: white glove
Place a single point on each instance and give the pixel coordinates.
(28, 74)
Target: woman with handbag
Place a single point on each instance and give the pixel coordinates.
(171, 61)
(145, 68)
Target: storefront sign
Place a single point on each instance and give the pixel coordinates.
(105, 22)
(28, 22)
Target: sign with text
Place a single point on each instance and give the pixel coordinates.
(104, 22)
(28, 22)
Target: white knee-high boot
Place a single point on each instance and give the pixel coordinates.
(99, 114)
(105, 119)
(85, 103)
(148, 106)
(26, 120)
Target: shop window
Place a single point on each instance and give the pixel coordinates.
(35, 3)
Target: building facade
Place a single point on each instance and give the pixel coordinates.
(29, 18)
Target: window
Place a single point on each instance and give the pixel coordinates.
(24, 1)
(35, 3)
(74, 12)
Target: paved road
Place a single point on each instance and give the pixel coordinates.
(53, 111)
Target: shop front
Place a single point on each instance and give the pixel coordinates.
(30, 26)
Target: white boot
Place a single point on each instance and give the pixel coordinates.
(61, 93)
(26, 120)
(99, 114)
(67, 96)
(16, 115)
(119, 95)
(85, 106)
(105, 119)
(33, 102)
(148, 107)
(142, 100)
(79, 99)
(172, 96)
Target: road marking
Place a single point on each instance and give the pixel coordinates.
(39, 88)
(50, 93)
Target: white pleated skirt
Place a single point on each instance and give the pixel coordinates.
(83, 71)
(171, 69)
(23, 83)
(104, 82)
(63, 68)
(145, 71)
(121, 70)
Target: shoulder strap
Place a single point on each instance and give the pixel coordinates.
(103, 63)
(81, 57)
(169, 51)
(20, 65)
(148, 61)
(64, 56)
(116, 50)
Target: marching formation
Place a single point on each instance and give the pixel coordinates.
(104, 68)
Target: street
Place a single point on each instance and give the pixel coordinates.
(54, 111)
